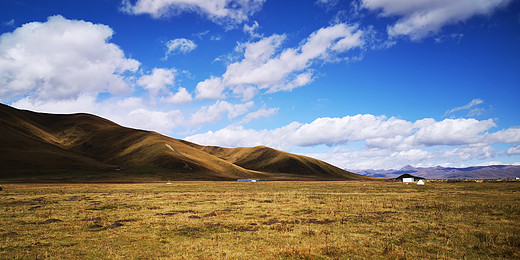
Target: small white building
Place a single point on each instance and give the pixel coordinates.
(407, 180)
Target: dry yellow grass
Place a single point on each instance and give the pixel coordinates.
(267, 220)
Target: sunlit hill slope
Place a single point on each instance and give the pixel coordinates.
(83, 147)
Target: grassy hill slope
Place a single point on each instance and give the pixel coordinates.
(31, 142)
(38, 145)
(269, 160)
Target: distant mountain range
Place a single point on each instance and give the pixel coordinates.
(476, 172)
(36, 147)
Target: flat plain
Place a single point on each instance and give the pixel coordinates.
(264, 220)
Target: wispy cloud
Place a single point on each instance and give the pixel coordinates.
(9, 23)
(457, 37)
(251, 30)
(472, 106)
(327, 3)
(201, 35)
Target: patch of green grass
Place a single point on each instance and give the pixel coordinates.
(288, 220)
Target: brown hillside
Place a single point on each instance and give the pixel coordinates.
(29, 143)
(269, 160)
(38, 144)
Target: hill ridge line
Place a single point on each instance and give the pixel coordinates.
(42, 146)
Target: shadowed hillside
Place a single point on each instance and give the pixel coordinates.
(83, 147)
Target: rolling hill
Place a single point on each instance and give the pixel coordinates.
(82, 147)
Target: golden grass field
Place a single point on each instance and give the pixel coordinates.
(266, 220)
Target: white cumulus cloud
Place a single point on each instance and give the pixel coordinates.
(477, 151)
(215, 112)
(421, 18)
(514, 150)
(158, 81)
(211, 88)
(181, 97)
(450, 131)
(150, 119)
(368, 141)
(264, 66)
(382, 132)
(509, 135)
(157, 84)
(227, 12)
(62, 59)
(180, 45)
(238, 136)
(333, 131)
(130, 112)
(262, 112)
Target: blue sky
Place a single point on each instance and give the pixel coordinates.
(364, 84)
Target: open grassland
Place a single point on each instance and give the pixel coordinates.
(267, 220)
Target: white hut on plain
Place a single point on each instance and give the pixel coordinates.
(408, 178)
